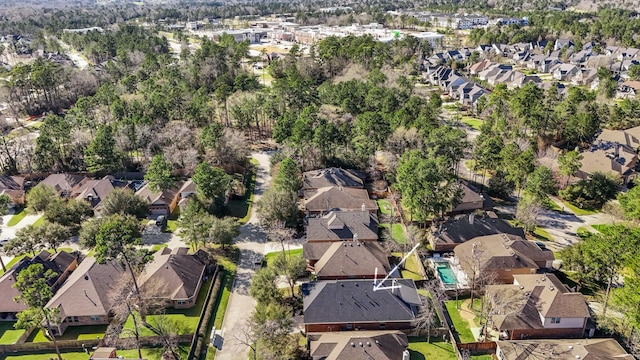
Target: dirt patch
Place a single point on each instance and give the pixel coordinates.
(468, 314)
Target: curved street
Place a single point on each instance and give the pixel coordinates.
(251, 242)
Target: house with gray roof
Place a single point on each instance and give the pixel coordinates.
(346, 260)
(339, 305)
(540, 306)
(316, 179)
(175, 276)
(84, 299)
(445, 236)
(562, 349)
(379, 345)
(334, 198)
(342, 226)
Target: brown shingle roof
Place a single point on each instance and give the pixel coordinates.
(86, 291)
(353, 259)
(461, 228)
(174, 274)
(379, 345)
(343, 225)
(335, 198)
(159, 197)
(63, 183)
(94, 191)
(561, 349)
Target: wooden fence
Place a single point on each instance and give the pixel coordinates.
(145, 341)
(484, 347)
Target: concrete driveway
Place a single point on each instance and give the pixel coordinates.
(9, 232)
(251, 242)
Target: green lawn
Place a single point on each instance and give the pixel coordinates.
(551, 205)
(156, 247)
(15, 219)
(39, 222)
(397, 232)
(242, 208)
(72, 333)
(461, 325)
(473, 122)
(542, 234)
(172, 221)
(419, 349)
(270, 257)
(601, 227)
(188, 317)
(411, 267)
(8, 334)
(385, 206)
(578, 211)
(223, 299)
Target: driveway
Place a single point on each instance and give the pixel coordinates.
(9, 232)
(251, 242)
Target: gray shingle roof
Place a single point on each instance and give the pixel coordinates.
(561, 349)
(459, 229)
(335, 198)
(343, 225)
(316, 179)
(353, 301)
(174, 274)
(353, 258)
(379, 345)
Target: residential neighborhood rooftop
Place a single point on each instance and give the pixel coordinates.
(379, 345)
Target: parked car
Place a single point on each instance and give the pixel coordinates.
(160, 220)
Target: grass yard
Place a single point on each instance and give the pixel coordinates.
(542, 234)
(461, 325)
(436, 349)
(473, 122)
(172, 221)
(188, 317)
(411, 269)
(72, 333)
(15, 219)
(385, 206)
(223, 299)
(551, 205)
(578, 211)
(270, 257)
(39, 222)
(397, 232)
(242, 208)
(8, 334)
(148, 354)
(601, 227)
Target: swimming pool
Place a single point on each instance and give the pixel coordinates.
(445, 272)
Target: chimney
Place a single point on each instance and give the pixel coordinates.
(363, 208)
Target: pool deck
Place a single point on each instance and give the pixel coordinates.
(461, 277)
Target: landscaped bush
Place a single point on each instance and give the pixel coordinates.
(592, 193)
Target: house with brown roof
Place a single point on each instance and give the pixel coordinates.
(342, 226)
(84, 299)
(339, 305)
(501, 256)
(64, 183)
(629, 138)
(186, 190)
(613, 159)
(346, 260)
(471, 200)
(175, 276)
(316, 179)
(335, 198)
(95, 190)
(455, 230)
(160, 202)
(562, 349)
(540, 306)
(379, 345)
(13, 186)
(61, 263)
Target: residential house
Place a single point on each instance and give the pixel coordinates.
(13, 186)
(609, 158)
(188, 188)
(445, 236)
(479, 66)
(501, 257)
(338, 305)
(343, 226)
(586, 77)
(470, 95)
(84, 299)
(175, 276)
(562, 349)
(539, 306)
(379, 345)
(562, 43)
(629, 138)
(64, 183)
(61, 263)
(316, 179)
(161, 202)
(94, 191)
(566, 72)
(580, 57)
(471, 201)
(334, 198)
(346, 260)
(628, 89)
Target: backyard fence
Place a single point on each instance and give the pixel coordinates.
(48, 346)
(485, 346)
(199, 340)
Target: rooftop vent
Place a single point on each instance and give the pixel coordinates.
(361, 345)
(551, 288)
(353, 345)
